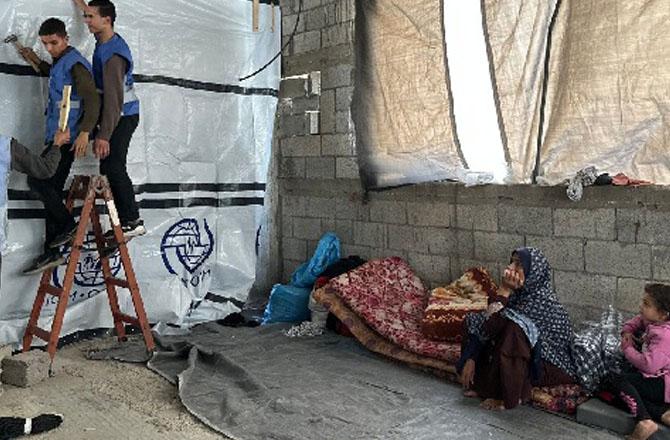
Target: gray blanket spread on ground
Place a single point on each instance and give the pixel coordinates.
(257, 383)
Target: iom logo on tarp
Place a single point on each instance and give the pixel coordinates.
(186, 246)
(88, 276)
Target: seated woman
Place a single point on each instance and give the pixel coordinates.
(522, 340)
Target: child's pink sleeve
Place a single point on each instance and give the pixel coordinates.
(633, 325)
(655, 359)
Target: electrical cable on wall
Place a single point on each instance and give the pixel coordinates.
(290, 38)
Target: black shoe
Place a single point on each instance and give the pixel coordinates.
(44, 262)
(64, 238)
(131, 229)
(108, 250)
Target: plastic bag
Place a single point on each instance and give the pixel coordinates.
(287, 304)
(327, 252)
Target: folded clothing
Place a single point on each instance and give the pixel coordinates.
(447, 306)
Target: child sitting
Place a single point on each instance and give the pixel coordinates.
(646, 345)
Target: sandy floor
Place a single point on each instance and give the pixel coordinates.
(105, 400)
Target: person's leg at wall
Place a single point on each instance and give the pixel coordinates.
(114, 167)
(60, 226)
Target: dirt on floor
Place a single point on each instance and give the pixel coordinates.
(105, 400)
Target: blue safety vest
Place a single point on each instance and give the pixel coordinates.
(103, 52)
(60, 76)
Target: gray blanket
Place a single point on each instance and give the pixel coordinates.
(259, 384)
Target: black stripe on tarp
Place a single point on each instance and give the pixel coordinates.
(157, 188)
(20, 70)
(206, 86)
(32, 213)
(224, 299)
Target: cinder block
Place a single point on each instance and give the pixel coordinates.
(307, 42)
(294, 249)
(343, 97)
(307, 228)
(344, 229)
(337, 145)
(477, 217)
(294, 205)
(320, 207)
(320, 167)
(318, 18)
(336, 35)
(346, 168)
(432, 269)
(5, 351)
(301, 146)
(585, 289)
(352, 209)
(337, 76)
(292, 167)
(441, 241)
(495, 247)
(562, 253)
(407, 238)
(293, 88)
(290, 126)
(585, 223)
(629, 292)
(525, 220)
(643, 226)
(370, 234)
(661, 263)
(595, 412)
(430, 213)
(345, 10)
(383, 211)
(327, 108)
(26, 369)
(343, 122)
(613, 258)
(465, 244)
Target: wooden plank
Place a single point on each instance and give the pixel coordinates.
(255, 12)
(65, 108)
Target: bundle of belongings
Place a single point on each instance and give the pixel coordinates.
(387, 308)
(447, 306)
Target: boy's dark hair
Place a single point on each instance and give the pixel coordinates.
(106, 8)
(660, 293)
(53, 26)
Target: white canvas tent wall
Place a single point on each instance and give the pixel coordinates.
(199, 157)
(578, 82)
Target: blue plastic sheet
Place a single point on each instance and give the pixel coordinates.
(289, 303)
(327, 252)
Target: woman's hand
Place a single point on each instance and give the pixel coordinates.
(468, 374)
(513, 279)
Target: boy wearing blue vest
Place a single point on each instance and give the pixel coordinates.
(113, 74)
(69, 68)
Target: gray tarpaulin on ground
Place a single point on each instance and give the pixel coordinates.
(257, 383)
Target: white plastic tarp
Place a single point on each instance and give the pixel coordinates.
(199, 157)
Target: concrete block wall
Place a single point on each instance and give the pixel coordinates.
(602, 249)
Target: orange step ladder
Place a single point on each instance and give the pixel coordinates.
(90, 189)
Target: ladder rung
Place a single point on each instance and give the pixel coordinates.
(130, 320)
(118, 282)
(41, 333)
(54, 291)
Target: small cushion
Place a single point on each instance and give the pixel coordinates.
(447, 306)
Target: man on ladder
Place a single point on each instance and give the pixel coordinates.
(113, 74)
(69, 68)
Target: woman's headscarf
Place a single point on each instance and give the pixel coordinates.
(537, 301)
